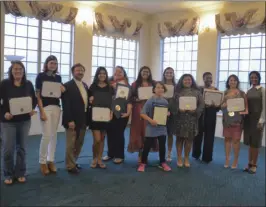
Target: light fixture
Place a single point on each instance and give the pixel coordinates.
(14, 57)
(207, 23)
(84, 17)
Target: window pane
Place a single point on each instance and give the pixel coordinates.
(21, 52)
(234, 43)
(32, 56)
(255, 53)
(233, 65)
(225, 43)
(119, 43)
(22, 30)
(254, 65)
(126, 45)
(234, 54)
(8, 51)
(33, 32)
(109, 62)
(223, 76)
(33, 22)
(9, 41)
(94, 51)
(56, 35)
(243, 65)
(223, 65)
(32, 44)
(9, 29)
(101, 51)
(244, 54)
(32, 68)
(46, 45)
(224, 54)
(65, 69)
(94, 61)
(109, 52)
(47, 34)
(245, 42)
(66, 47)
(256, 41)
(65, 58)
(10, 18)
(125, 54)
(21, 43)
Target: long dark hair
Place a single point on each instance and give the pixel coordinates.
(164, 79)
(180, 85)
(227, 82)
(257, 74)
(10, 75)
(48, 59)
(96, 78)
(124, 71)
(139, 78)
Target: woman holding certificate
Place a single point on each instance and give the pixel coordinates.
(169, 81)
(234, 106)
(190, 105)
(141, 92)
(122, 109)
(48, 90)
(254, 120)
(100, 96)
(17, 102)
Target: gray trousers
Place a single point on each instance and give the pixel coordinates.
(13, 138)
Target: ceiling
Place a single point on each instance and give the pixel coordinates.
(153, 6)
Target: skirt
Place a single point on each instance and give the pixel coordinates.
(233, 132)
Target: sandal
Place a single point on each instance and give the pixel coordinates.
(246, 169)
(8, 181)
(118, 160)
(94, 164)
(180, 162)
(107, 158)
(102, 165)
(253, 169)
(21, 179)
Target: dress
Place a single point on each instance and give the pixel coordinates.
(256, 111)
(171, 119)
(187, 123)
(232, 126)
(138, 125)
(92, 91)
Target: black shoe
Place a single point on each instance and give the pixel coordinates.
(78, 167)
(73, 171)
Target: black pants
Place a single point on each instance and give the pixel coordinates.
(206, 133)
(148, 144)
(116, 138)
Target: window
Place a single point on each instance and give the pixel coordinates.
(35, 40)
(181, 53)
(239, 55)
(110, 52)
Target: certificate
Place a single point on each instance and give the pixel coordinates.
(122, 91)
(235, 104)
(188, 103)
(100, 114)
(51, 89)
(170, 91)
(19, 106)
(213, 96)
(160, 115)
(144, 93)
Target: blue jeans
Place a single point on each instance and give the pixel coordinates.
(14, 135)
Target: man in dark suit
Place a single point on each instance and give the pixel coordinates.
(75, 116)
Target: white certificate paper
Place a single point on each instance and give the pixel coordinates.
(19, 106)
(170, 91)
(235, 104)
(211, 96)
(187, 103)
(160, 115)
(122, 92)
(100, 114)
(145, 93)
(51, 89)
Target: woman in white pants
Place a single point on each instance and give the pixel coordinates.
(49, 109)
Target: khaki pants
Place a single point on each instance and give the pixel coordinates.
(73, 146)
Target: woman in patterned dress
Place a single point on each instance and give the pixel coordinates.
(232, 122)
(137, 128)
(187, 121)
(254, 120)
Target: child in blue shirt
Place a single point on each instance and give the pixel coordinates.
(154, 131)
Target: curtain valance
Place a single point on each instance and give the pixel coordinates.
(111, 25)
(41, 10)
(182, 27)
(234, 23)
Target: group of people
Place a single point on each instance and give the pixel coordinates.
(189, 127)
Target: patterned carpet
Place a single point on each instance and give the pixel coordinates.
(121, 185)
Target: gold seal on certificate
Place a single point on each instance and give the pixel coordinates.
(117, 108)
(231, 113)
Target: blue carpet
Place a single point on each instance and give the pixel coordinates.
(120, 185)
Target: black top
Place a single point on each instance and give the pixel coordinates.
(7, 91)
(102, 95)
(44, 76)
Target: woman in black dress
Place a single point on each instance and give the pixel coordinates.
(98, 89)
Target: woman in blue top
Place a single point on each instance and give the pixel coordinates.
(50, 115)
(154, 131)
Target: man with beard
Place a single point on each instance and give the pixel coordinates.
(207, 124)
(75, 116)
